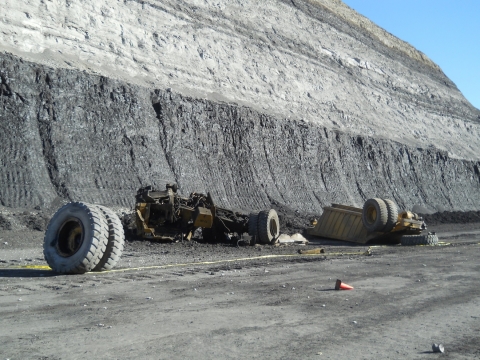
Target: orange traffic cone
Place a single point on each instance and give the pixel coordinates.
(341, 286)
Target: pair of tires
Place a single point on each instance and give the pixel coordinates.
(430, 239)
(379, 215)
(82, 237)
(264, 227)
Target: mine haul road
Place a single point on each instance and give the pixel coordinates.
(198, 305)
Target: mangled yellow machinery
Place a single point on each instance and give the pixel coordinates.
(379, 219)
(84, 237)
(164, 215)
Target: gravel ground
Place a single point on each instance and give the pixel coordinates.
(194, 300)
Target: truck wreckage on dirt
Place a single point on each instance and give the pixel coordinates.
(84, 237)
(378, 220)
(163, 214)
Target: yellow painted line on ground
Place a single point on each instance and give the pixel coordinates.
(40, 267)
(20, 267)
(46, 267)
(367, 252)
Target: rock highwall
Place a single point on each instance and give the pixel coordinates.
(69, 134)
(311, 60)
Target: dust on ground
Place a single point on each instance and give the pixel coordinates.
(199, 300)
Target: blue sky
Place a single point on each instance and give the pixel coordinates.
(447, 31)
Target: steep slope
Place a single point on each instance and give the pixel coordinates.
(303, 102)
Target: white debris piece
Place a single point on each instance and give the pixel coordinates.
(299, 239)
(294, 239)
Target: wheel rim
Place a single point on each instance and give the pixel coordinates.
(273, 227)
(371, 215)
(70, 237)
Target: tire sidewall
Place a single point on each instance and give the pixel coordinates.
(263, 226)
(252, 224)
(60, 263)
(379, 222)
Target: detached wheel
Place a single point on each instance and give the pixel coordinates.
(413, 240)
(252, 228)
(116, 241)
(268, 226)
(375, 215)
(392, 215)
(76, 238)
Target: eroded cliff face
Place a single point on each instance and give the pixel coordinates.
(85, 137)
(302, 102)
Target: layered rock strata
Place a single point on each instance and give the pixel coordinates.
(302, 102)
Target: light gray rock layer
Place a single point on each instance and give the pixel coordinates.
(313, 60)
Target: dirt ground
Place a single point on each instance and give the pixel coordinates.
(207, 301)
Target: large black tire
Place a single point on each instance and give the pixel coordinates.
(268, 226)
(76, 238)
(375, 215)
(116, 241)
(252, 228)
(412, 240)
(392, 215)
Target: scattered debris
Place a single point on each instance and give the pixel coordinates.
(294, 239)
(299, 239)
(284, 239)
(438, 348)
(312, 251)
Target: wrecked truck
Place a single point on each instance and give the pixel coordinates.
(160, 214)
(83, 237)
(378, 220)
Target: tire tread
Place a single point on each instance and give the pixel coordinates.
(413, 240)
(116, 241)
(392, 215)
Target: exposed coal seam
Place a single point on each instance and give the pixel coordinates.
(5, 89)
(360, 191)
(157, 107)
(347, 178)
(128, 142)
(45, 115)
